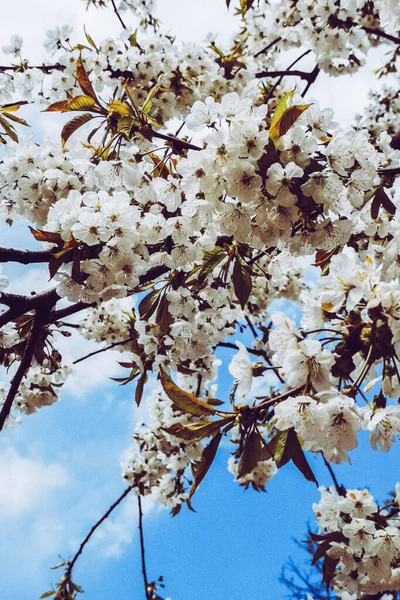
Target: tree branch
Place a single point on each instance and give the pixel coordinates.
(381, 34)
(118, 15)
(23, 67)
(267, 47)
(25, 257)
(114, 345)
(142, 551)
(38, 323)
(301, 74)
(93, 529)
(18, 305)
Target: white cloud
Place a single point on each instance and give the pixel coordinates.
(118, 532)
(25, 482)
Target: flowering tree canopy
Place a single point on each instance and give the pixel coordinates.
(203, 183)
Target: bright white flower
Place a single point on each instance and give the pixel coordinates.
(280, 182)
(384, 425)
(308, 361)
(241, 369)
(15, 46)
(202, 114)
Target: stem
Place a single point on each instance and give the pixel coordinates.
(267, 47)
(381, 34)
(281, 397)
(114, 345)
(310, 80)
(280, 79)
(25, 257)
(93, 529)
(339, 488)
(142, 550)
(22, 369)
(118, 15)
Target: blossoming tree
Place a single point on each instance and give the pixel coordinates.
(201, 180)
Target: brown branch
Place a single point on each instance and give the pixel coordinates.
(118, 15)
(25, 257)
(93, 529)
(38, 323)
(391, 172)
(56, 315)
(301, 74)
(175, 141)
(267, 47)
(114, 345)
(381, 34)
(18, 305)
(21, 68)
(147, 592)
(310, 80)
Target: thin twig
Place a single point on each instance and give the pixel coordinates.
(118, 15)
(22, 369)
(142, 549)
(93, 529)
(114, 345)
(339, 488)
(267, 47)
(381, 34)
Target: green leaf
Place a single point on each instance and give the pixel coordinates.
(197, 431)
(201, 468)
(48, 594)
(148, 305)
(242, 281)
(45, 236)
(381, 199)
(140, 388)
(281, 107)
(250, 455)
(290, 117)
(163, 317)
(184, 401)
(299, 459)
(328, 569)
(70, 127)
(90, 40)
(277, 446)
(83, 79)
(80, 103)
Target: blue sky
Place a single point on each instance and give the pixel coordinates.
(60, 469)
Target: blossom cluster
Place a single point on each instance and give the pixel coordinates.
(362, 541)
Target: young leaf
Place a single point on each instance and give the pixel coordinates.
(120, 108)
(285, 121)
(277, 446)
(197, 431)
(281, 107)
(299, 459)
(290, 117)
(148, 305)
(70, 127)
(84, 80)
(48, 594)
(140, 388)
(381, 199)
(201, 468)
(184, 401)
(46, 236)
(242, 281)
(163, 317)
(250, 455)
(81, 103)
(59, 106)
